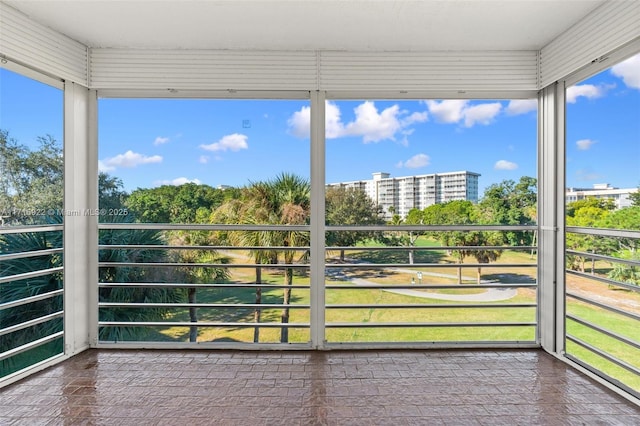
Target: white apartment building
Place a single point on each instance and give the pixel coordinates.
(620, 196)
(401, 194)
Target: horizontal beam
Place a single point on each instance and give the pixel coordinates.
(29, 229)
(31, 323)
(607, 281)
(105, 305)
(33, 274)
(605, 355)
(201, 324)
(603, 232)
(200, 265)
(265, 286)
(200, 227)
(603, 330)
(29, 254)
(603, 306)
(31, 299)
(31, 345)
(426, 324)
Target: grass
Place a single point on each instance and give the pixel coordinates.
(621, 325)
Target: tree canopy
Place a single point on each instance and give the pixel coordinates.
(31, 180)
(176, 204)
(350, 206)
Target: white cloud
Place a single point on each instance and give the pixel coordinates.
(629, 71)
(447, 111)
(456, 110)
(521, 106)
(369, 123)
(204, 159)
(505, 165)
(588, 91)
(300, 123)
(234, 142)
(127, 160)
(415, 162)
(482, 114)
(585, 144)
(177, 181)
(160, 140)
(416, 117)
(333, 126)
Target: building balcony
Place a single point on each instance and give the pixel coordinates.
(276, 321)
(437, 387)
(408, 334)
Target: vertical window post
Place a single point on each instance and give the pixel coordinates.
(551, 167)
(317, 297)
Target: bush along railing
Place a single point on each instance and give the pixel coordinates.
(603, 303)
(227, 285)
(31, 296)
(442, 285)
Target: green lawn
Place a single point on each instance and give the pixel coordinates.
(621, 325)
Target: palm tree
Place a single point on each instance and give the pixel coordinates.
(21, 289)
(236, 211)
(289, 204)
(196, 274)
(284, 200)
(133, 275)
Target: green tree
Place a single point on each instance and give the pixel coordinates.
(625, 248)
(604, 204)
(635, 198)
(408, 239)
(459, 212)
(111, 194)
(626, 273)
(240, 211)
(175, 204)
(350, 206)
(627, 218)
(511, 203)
(21, 289)
(464, 213)
(283, 200)
(30, 180)
(588, 212)
(196, 275)
(122, 274)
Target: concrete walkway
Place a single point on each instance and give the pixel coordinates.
(490, 295)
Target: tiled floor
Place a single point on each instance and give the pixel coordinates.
(508, 387)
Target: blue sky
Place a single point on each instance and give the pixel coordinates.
(150, 142)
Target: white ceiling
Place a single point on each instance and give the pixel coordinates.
(373, 25)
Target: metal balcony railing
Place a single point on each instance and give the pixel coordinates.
(170, 292)
(31, 296)
(185, 293)
(603, 303)
(408, 294)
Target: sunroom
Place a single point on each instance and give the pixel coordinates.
(209, 183)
